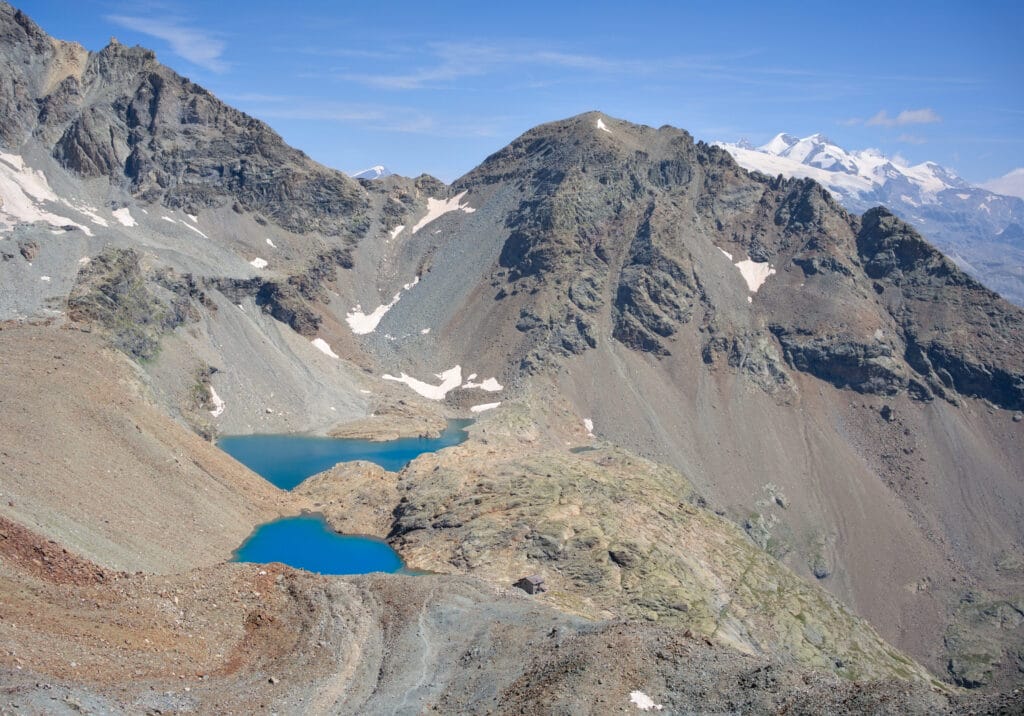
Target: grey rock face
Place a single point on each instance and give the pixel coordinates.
(111, 291)
(627, 229)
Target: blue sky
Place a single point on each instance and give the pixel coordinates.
(436, 87)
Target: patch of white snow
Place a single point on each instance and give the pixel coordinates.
(218, 403)
(258, 263)
(44, 278)
(192, 228)
(600, 125)
(754, 273)
(409, 285)
(124, 217)
(22, 191)
(727, 254)
(89, 211)
(436, 208)
(195, 219)
(450, 379)
(589, 425)
(483, 406)
(324, 347)
(643, 702)
(168, 219)
(425, 331)
(396, 231)
(491, 385)
(271, 244)
(363, 323)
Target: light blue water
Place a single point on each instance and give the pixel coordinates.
(287, 460)
(307, 542)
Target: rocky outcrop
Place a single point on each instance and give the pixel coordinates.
(959, 335)
(111, 291)
(864, 367)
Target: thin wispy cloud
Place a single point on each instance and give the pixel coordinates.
(448, 62)
(398, 119)
(907, 116)
(911, 139)
(198, 46)
(448, 65)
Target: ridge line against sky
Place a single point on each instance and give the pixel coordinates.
(438, 89)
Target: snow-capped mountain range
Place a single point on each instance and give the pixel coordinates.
(981, 230)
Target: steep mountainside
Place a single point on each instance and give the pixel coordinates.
(707, 399)
(760, 338)
(981, 228)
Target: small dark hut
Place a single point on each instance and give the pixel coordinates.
(534, 584)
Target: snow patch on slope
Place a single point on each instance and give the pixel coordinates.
(124, 217)
(436, 208)
(483, 406)
(218, 403)
(643, 702)
(363, 323)
(754, 273)
(491, 385)
(450, 379)
(23, 191)
(258, 263)
(192, 228)
(324, 347)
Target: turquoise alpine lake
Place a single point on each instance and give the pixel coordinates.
(307, 542)
(287, 460)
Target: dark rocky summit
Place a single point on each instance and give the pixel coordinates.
(121, 114)
(627, 225)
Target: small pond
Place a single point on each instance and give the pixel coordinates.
(307, 542)
(287, 460)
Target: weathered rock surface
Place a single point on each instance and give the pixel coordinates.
(744, 329)
(612, 534)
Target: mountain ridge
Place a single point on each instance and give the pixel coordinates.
(828, 382)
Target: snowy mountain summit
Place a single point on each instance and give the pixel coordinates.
(856, 177)
(976, 227)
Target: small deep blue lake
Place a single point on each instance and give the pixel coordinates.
(307, 541)
(287, 460)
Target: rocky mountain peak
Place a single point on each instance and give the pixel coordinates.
(119, 113)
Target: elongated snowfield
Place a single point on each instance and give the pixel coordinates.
(450, 379)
